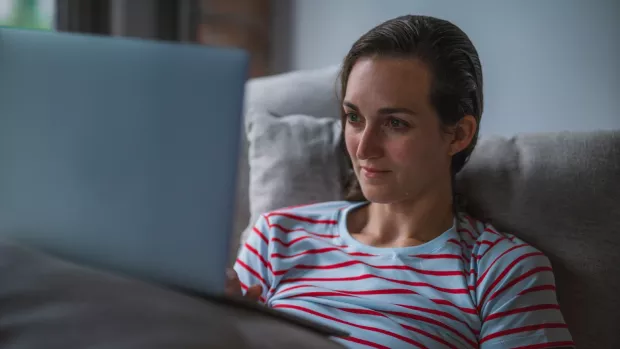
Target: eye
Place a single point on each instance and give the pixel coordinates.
(396, 123)
(352, 118)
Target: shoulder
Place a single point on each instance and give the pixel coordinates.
(490, 245)
(504, 264)
(514, 288)
(322, 214)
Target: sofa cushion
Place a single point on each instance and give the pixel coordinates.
(560, 192)
(307, 92)
(294, 160)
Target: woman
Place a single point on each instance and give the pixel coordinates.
(397, 265)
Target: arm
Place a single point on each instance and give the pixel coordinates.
(252, 265)
(517, 299)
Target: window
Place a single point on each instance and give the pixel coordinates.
(32, 14)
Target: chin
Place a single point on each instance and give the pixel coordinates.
(380, 195)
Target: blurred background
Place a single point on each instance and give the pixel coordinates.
(239, 23)
(549, 65)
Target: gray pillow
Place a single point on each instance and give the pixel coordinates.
(46, 303)
(294, 160)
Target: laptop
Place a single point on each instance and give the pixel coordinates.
(121, 153)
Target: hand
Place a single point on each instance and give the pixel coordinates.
(233, 287)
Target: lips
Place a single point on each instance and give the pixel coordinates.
(373, 173)
(373, 169)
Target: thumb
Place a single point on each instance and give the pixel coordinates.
(254, 292)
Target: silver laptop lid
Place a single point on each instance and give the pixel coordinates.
(121, 153)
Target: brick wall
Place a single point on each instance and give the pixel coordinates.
(238, 23)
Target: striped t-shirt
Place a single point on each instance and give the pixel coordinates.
(471, 287)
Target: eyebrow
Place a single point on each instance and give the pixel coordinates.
(384, 111)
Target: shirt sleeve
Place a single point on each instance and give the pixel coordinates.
(515, 290)
(252, 264)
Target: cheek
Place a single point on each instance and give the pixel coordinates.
(418, 152)
(351, 140)
(402, 152)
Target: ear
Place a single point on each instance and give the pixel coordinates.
(463, 134)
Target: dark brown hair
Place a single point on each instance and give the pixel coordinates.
(456, 87)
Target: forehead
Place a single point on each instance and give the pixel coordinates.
(381, 82)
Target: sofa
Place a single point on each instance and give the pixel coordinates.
(558, 191)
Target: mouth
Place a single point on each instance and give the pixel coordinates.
(373, 172)
(373, 169)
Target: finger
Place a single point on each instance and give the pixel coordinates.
(254, 292)
(233, 285)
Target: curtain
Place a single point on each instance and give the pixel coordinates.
(83, 16)
(172, 20)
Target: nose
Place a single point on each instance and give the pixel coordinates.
(369, 146)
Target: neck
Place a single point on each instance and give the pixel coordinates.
(408, 223)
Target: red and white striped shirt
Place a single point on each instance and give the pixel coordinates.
(471, 287)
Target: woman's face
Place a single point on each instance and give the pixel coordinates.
(393, 134)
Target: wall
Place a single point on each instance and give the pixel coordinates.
(238, 23)
(548, 65)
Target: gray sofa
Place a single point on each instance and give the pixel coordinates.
(558, 191)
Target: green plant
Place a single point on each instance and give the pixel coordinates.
(30, 14)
